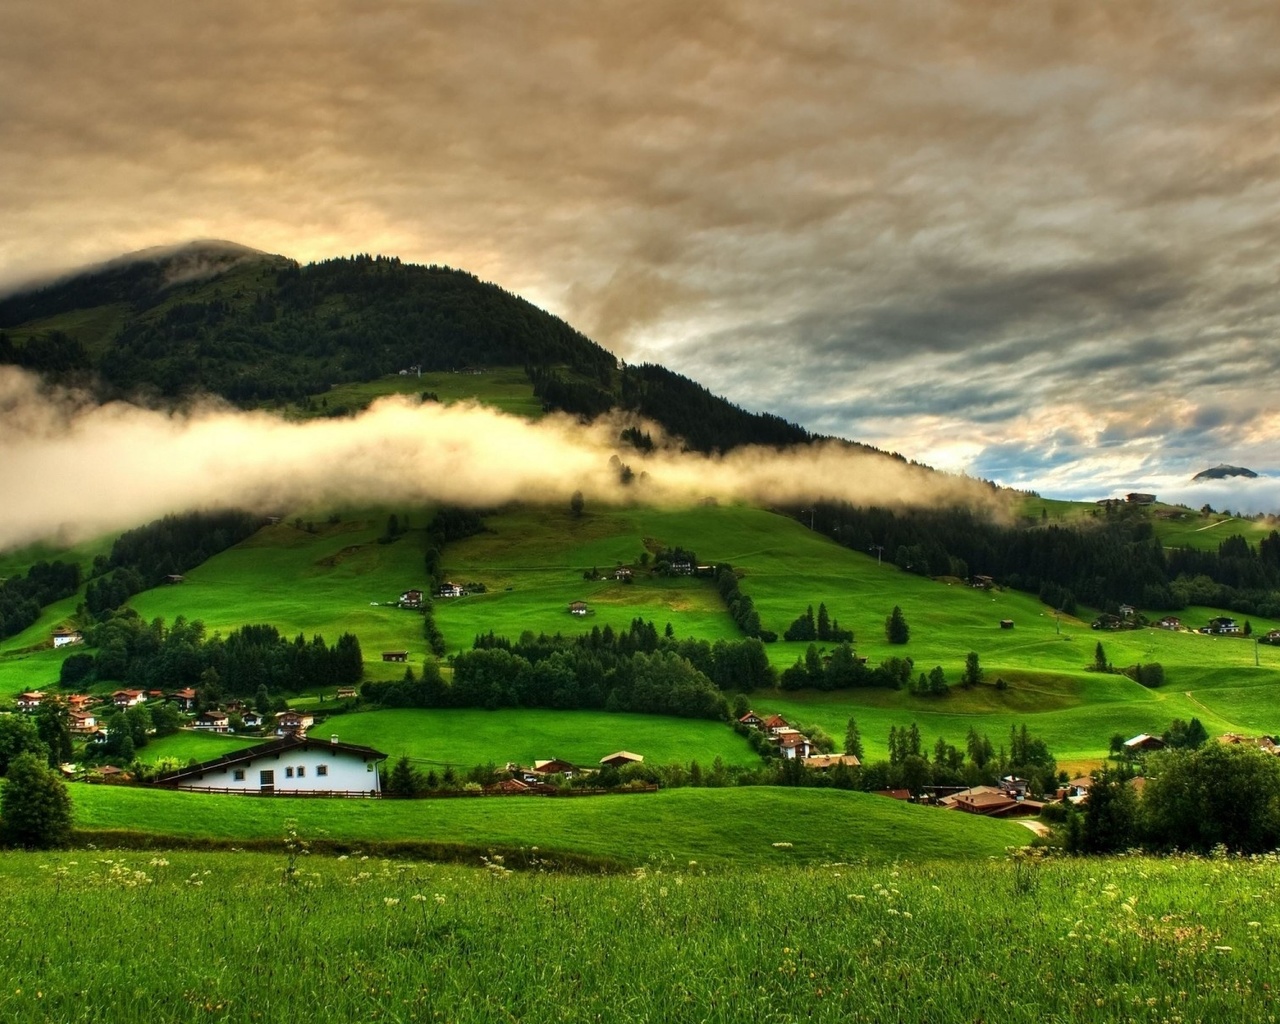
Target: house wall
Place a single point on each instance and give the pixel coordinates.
(346, 772)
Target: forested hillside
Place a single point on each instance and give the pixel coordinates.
(261, 329)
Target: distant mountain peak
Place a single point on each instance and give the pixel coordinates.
(1222, 471)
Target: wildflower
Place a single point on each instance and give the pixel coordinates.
(439, 899)
(417, 897)
(782, 846)
(390, 901)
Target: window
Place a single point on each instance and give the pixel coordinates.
(302, 771)
(238, 774)
(288, 772)
(322, 769)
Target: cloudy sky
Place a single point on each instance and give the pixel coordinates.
(1034, 241)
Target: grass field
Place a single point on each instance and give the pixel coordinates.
(713, 826)
(218, 937)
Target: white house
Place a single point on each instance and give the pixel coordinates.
(62, 637)
(293, 765)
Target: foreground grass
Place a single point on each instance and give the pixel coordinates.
(369, 940)
(713, 826)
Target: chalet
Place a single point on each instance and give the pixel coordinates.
(109, 773)
(30, 701)
(578, 608)
(1127, 611)
(127, 698)
(510, 787)
(1076, 791)
(98, 737)
(83, 723)
(1014, 786)
(346, 693)
(1006, 623)
(751, 719)
(213, 721)
(553, 766)
(293, 723)
(1170, 622)
(621, 759)
(792, 744)
(1137, 498)
(823, 762)
(622, 574)
(184, 698)
(1223, 625)
(682, 568)
(79, 701)
(155, 695)
(451, 590)
(63, 637)
(981, 582)
(1273, 637)
(411, 599)
(1143, 742)
(251, 720)
(395, 655)
(894, 794)
(773, 723)
(174, 578)
(990, 802)
(294, 765)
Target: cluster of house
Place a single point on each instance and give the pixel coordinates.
(536, 779)
(793, 744)
(87, 714)
(1267, 744)
(1221, 625)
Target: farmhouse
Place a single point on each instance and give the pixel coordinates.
(293, 723)
(1138, 498)
(251, 720)
(63, 637)
(1143, 742)
(293, 766)
(411, 599)
(578, 608)
(127, 698)
(752, 720)
(622, 574)
(395, 655)
(184, 698)
(1170, 622)
(79, 701)
(821, 762)
(82, 722)
(792, 743)
(553, 766)
(346, 693)
(621, 758)
(1006, 623)
(30, 700)
(774, 723)
(213, 721)
(451, 590)
(1273, 637)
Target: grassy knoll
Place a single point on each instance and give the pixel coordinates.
(713, 826)
(189, 745)
(505, 388)
(1133, 939)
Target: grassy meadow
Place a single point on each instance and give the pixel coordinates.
(504, 388)
(726, 827)
(227, 939)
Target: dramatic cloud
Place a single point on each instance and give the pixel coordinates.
(73, 469)
(946, 229)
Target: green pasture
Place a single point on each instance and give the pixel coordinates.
(335, 580)
(185, 937)
(713, 826)
(189, 745)
(505, 388)
(469, 737)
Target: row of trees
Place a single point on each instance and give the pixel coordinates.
(824, 629)
(155, 656)
(742, 608)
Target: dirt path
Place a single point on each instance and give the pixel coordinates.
(1038, 827)
(1212, 525)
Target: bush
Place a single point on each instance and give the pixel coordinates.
(35, 810)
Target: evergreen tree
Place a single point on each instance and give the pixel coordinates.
(404, 780)
(896, 630)
(853, 740)
(972, 671)
(53, 725)
(937, 681)
(1100, 663)
(824, 623)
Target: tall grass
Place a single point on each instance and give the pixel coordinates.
(236, 938)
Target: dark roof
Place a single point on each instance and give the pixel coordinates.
(279, 746)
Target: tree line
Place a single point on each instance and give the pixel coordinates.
(151, 655)
(1112, 560)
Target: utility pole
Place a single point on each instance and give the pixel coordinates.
(879, 550)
